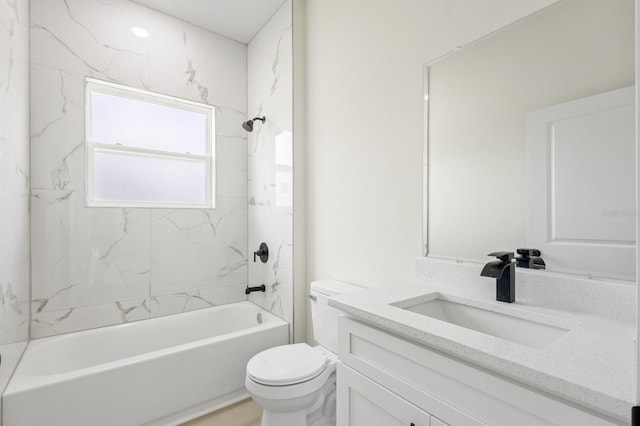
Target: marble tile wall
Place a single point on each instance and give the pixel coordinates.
(270, 162)
(93, 267)
(14, 183)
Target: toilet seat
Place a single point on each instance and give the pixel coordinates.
(286, 365)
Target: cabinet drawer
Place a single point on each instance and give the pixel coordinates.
(362, 402)
(451, 390)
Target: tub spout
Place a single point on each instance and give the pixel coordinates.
(252, 289)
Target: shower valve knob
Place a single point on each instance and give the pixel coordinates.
(262, 253)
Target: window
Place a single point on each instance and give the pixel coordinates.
(147, 150)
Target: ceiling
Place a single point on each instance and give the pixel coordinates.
(236, 19)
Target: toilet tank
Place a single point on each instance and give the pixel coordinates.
(323, 316)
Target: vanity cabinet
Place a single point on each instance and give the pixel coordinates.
(367, 403)
(384, 379)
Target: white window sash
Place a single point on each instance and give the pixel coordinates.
(92, 146)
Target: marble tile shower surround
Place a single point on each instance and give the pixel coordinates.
(14, 184)
(270, 211)
(14, 170)
(612, 299)
(100, 266)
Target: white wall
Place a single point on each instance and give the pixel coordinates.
(365, 61)
(364, 130)
(300, 171)
(14, 184)
(364, 77)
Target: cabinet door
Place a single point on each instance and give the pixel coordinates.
(362, 402)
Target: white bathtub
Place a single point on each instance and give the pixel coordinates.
(162, 371)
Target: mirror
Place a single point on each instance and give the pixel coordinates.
(490, 185)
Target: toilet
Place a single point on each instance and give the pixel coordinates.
(296, 384)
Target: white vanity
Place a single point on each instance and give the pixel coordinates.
(432, 354)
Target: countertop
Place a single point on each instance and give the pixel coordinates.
(592, 364)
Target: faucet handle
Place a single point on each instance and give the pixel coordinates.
(262, 253)
(530, 258)
(504, 256)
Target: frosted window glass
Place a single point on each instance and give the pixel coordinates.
(134, 122)
(153, 179)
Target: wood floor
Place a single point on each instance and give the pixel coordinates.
(243, 413)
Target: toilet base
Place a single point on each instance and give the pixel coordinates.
(322, 412)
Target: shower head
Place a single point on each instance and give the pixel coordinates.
(248, 125)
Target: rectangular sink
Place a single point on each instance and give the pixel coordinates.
(535, 331)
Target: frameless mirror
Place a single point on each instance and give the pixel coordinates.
(530, 141)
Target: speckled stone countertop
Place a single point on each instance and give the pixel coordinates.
(592, 364)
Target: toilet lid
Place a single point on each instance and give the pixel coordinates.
(287, 364)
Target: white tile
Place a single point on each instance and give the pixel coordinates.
(270, 68)
(174, 303)
(14, 27)
(86, 317)
(14, 173)
(192, 63)
(86, 256)
(91, 37)
(231, 167)
(14, 250)
(57, 129)
(231, 153)
(14, 121)
(14, 311)
(277, 275)
(197, 248)
(270, 215)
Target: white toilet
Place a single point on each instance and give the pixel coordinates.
(296, 384)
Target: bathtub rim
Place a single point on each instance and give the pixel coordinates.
(24, 381)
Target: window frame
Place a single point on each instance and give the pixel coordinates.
(92, 146)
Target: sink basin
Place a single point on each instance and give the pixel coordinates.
(535, 331)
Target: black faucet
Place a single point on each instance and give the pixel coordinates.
(252, 289)
(504, 271)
